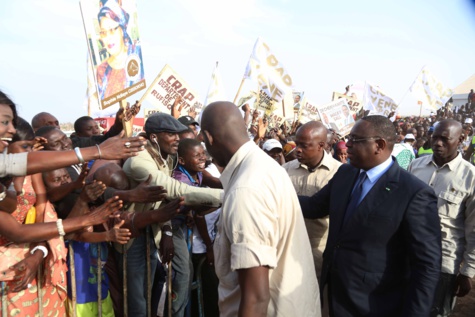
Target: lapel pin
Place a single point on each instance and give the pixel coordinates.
(388, 189)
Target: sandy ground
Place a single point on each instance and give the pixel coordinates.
(465, 306)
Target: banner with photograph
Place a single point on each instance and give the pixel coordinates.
(430, 91)
(114, 47)
(378, 102)
(165, 88)
(355, 104)
(308, 112)
(336, 115)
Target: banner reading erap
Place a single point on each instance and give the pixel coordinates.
(165, 88)
(114, 47)
(336, 115)
(355, 104)
(378, 102)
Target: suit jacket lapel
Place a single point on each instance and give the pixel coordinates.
(380, 193)
(345, 193)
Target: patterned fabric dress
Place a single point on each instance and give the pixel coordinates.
(53, 285)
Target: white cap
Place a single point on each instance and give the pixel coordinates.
(468, 120)
(409, 136)
(271, 144)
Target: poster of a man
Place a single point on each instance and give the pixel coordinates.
(347, 114)
(114, 48)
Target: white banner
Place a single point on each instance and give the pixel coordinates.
(166, 87)
(336, 115)
(378, 102)
(308, 112)
(430, 91)
(268, 71)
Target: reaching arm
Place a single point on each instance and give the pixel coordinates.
(19, 233)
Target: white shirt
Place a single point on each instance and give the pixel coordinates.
(262, 225)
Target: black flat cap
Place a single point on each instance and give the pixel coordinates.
(163, 122)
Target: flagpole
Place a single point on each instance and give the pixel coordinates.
(411, 86)
(239, 90)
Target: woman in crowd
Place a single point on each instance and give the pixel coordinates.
(50, 293)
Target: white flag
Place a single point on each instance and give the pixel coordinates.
(429, 90)
(268, 71)
(216, 88)
(378, 102)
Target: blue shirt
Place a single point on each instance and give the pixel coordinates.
(372, 176)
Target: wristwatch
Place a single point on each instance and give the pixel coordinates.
(3, 194)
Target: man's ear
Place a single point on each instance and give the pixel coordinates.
(208, 136)
(382, 144)
(181, 161)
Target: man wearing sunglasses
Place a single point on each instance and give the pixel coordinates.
(383, 252)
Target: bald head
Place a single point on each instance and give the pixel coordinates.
(311, 140)
(43, 119)
(112, 175)
(315, 128)
(224, 130)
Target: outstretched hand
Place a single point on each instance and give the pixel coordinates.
(118, 234)
(117, 147)
(93, 191)
(25, 271)
(144, 193)
(104, 211)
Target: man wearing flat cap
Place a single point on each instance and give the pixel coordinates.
(158, 160)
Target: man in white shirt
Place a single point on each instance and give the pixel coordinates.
(262, 253)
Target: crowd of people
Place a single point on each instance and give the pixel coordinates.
(232, 217)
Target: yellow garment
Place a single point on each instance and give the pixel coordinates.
(31, 216)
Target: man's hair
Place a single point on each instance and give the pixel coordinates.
(45, 130)
(187, 144)
(383, 128)
(80, 122)
(24, 131)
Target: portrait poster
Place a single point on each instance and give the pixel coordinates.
(308, 112)
(355, 104)
(165, 88)
(114, 46)
(336, 115)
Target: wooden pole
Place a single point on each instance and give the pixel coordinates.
(99, 280)
(149, 273)
(239, 90)
(39, 279)
(169, 288)
(124, 278)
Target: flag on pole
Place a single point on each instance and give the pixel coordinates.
(378, 102)
(216, 88)
(430, 90)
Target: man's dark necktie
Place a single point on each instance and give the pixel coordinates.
(355, 196)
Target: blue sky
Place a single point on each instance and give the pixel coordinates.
(324, 46)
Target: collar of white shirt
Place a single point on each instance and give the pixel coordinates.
(236, 159)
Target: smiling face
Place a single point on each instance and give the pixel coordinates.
(194, 159)
(7, 130)
(112, 36)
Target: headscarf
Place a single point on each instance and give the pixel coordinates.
(114, 11)
(289, 147)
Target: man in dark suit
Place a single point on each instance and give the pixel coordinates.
(383, 253)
